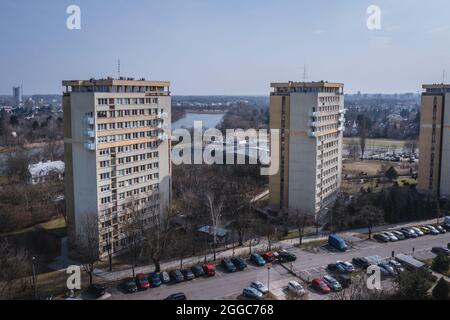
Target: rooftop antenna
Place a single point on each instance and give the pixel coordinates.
(118, 67)
(304, 73)
(443, 76)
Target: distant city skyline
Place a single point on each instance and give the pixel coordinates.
(225, 47)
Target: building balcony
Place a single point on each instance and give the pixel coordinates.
(90, 146)
(312, 134)
(162, 136)
(162, 115)
(341, 128)
(90, 120)
(314, 114)
(312, 123)
(90, 133)
(342, 111)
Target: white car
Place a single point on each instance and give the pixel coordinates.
(418, 231)
(296, 288)
(391, 236)
(396, 265)
(433, 230)
(258, 285)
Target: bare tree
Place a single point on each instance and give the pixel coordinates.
(133, 227)
(15, 267)
(353, 148)
(215, 211)
(363, 130)
(358, 290)
(301, 220)
(157, 238)
(89, 243)
(370, 216)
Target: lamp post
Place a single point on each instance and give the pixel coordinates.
(268, 278)
(33, 259)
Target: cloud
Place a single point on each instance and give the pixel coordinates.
(439, 29)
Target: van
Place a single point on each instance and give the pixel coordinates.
(337, 242)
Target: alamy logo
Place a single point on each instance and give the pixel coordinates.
(73, 22)
(211, 147)
(374, 19)
(74, 279)
(374, 278)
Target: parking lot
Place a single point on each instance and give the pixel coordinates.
(308, 265)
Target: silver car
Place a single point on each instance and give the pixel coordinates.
(391, 236)
(258, 285)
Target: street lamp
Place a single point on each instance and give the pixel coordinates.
(268, 278)
(33, 259)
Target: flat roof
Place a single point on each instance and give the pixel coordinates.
(436, 86)
(318, 84)
(115, 82)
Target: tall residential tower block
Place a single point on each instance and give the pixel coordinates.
(310, 116)
(434, 143)
(117, 154)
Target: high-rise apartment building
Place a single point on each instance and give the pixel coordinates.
(17, 96)
(310, 116)
(434, 143)
(117, 153)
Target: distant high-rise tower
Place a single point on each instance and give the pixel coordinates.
(310, 116)
(434, 143)
(17, 95)
(117, 154)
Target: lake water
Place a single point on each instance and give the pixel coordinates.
(209, 120)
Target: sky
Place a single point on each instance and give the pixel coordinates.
(225, 47)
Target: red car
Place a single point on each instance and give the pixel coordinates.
(142, 282)
(320, 285)
(209, 270)
(269, 257)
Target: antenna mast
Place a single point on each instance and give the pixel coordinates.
(118, 67)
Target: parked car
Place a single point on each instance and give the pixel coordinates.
(209, 270)
(177, 296)
(286, 256)
(433, 230)
(361, 262)
(320, 285)
(346, 266)
(97, 290)
(188, 274)
(411, 232)
(405, 233)
(332, 283)
(228, 265)
(198, 271)
(296, 288)
(155, 280)
(399, 235)
(344, 280)
(252, 293)
(337, 242)
(176, 276)
(396, 265)
(441, 251)
(258, 285)
(129, 285)
(387, 269)
(418, 231)
(381, 237)
(142, 281)
(425, 230)
(239, 263)
(391, 236)
(269, 257)
(164, 276)
(441, 229)
(258, 260)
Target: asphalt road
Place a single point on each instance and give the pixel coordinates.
(230, 286)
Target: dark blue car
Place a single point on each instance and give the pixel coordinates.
(155, 280)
